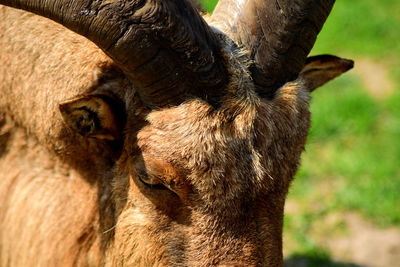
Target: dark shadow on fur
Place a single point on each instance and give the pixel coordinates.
(4, 135)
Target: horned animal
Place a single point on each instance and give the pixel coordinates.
(142, 133)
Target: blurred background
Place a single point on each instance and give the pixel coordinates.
(343, 208)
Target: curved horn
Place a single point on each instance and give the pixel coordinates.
(278, 35)
(164, 47)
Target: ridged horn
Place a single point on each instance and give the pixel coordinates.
(164, 46)
(277, 34)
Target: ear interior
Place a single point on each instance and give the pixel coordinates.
(321, 69)
(92, 116)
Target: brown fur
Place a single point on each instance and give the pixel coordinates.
(67, 199)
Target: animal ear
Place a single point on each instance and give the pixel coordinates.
(92, 116)
(321, 69)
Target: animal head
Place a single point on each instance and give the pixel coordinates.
(209, 120)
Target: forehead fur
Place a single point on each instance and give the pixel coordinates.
(232, 154)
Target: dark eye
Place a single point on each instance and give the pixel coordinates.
(151, 182)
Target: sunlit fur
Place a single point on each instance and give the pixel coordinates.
(70, 200)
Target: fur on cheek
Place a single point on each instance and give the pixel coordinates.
(131, 244)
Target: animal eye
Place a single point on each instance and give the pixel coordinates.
(151, 182)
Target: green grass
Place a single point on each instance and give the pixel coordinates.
(358, 136)
(354, 138)
(362, 27)
(209, 5)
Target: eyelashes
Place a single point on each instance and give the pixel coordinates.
(150, 182)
